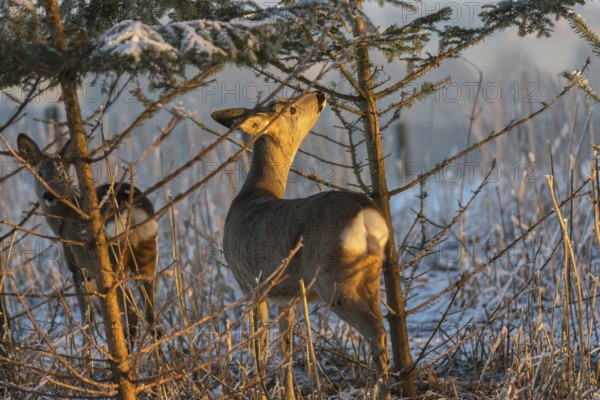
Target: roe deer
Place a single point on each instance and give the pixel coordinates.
(122, 208)
(344, 233)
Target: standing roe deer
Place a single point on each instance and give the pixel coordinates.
(122, 208)
(344, 233)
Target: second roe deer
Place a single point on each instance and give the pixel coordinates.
(134, 248)
(344, 233)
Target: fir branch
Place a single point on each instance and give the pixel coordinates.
(580, 26)
(530, 16)
(581, 81)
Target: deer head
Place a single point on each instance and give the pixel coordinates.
(282, 126)
(51, 169)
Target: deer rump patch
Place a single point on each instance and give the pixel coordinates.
(118, 224)
(366, 235)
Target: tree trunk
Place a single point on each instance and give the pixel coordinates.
(395, 298)
(105, 277)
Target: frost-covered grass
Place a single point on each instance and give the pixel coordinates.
(520, 340)
(506, 332)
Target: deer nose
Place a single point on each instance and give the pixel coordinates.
(320, 99)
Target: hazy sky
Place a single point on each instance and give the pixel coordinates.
(511, 67)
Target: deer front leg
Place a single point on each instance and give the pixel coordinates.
(80, 281)
(261, 319)
(286, 323)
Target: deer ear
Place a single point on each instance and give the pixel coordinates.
(67, 150)
(230, 117)
(254, 124)
(28, 149)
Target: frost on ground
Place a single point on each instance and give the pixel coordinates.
(514, 326)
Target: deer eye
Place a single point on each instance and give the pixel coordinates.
(41, 170)
(292, 110)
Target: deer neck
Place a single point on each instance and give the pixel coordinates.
(270, 167)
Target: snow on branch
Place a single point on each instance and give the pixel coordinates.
(579, 79)
(130, 39)
(581, 27)
(136, 46)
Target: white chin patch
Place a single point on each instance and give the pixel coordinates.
(50, 202)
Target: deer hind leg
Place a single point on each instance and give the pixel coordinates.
(129, 314)
(140, 260)
(261, 320)
(358, 305)
(286, 322)
(146, 258)
(121, 259)
(147, 293)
